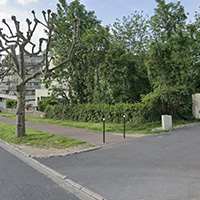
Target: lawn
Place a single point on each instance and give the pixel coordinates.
(37, 138)
(145, 128)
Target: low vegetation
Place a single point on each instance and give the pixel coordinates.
(12, 104)
(37, 138)
(131, 128)
(149, 109)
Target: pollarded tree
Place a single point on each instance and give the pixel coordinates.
(17, 44)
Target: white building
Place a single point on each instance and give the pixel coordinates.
(39, 94)
(8, 84)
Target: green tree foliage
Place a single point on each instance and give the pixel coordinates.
(193, 53)
(169, 59)
(154, 61)
(82, 77)
(167, 62)
(12, 104)
(131, 34)
(125, 80)
(106, 67)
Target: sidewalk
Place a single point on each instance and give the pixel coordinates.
(76, 133)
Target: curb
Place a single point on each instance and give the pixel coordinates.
(186, 125)
(67, 154)
(67, 184)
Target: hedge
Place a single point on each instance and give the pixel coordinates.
(46, 101)
(94, 112)
(173, 101)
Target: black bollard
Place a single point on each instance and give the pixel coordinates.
(124, 134)
(104, 130)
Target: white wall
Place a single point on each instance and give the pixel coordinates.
(2, 104)
(39, 93)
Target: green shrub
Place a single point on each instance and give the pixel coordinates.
(94, 112)
(175, 101)
(46, 101)
(11, 104)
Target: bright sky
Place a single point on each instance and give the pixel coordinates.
(106, 10)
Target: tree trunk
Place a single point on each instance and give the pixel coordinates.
(20, 114)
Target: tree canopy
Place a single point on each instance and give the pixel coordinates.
(133, 58)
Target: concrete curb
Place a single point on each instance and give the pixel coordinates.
(169, 132)
(67, 184)
(186, 125)
(68, 154)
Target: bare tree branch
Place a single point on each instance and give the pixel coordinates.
(10, 30)
(15, 44)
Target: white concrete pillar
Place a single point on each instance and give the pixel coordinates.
(167, 122)
(196, 105)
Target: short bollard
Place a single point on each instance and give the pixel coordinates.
(104, 130)
(167, 122)
(124, 133)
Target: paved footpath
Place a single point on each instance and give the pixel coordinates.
(20, 182)
(163, 167)
(76, 133)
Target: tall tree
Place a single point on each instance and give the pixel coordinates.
(17, 43)
(126, 58)
(132, 32)
(167, 61)
(82, 75)
(193, 50)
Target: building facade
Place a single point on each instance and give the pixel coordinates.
(8, 84)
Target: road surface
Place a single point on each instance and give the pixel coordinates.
(163, 167)
(20, 182)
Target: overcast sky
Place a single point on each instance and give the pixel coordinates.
(106, 10)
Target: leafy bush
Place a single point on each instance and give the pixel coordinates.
(94, 112)
(11, 104)
(46, 101)
(175, 101)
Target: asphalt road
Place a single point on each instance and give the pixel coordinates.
(20, 182)
(163, 167)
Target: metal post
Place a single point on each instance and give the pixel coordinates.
(104, 131)
(124, 135)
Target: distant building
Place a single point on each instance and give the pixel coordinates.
(8, 85)
(43, 92)
(40, 94)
